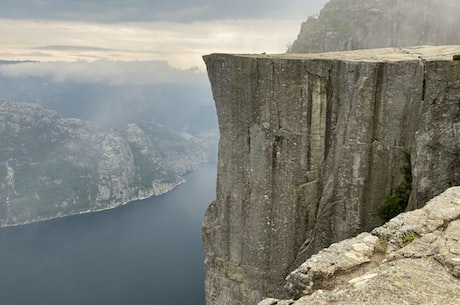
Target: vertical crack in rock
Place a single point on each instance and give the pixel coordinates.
(424, 86)
(329, 111)
(379, 89)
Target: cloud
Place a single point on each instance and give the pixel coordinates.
(158, 10)
(73, 48)
(180, 44)
(84, 30)
(109, 93)
(105, 71)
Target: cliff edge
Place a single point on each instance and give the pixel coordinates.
(310, 146)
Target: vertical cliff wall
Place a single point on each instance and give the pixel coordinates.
(311, 144)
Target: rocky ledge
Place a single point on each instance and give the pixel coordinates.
(412, 259)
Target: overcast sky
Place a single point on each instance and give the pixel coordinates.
(178, 32)
(156, 10)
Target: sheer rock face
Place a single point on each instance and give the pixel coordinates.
(357, 24)
(310, 145)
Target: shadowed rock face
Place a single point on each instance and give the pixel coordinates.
(310, 145)
(357, 24)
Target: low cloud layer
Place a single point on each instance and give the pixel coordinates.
(118, 61)
(111, 93)
(181, 45)
(105, 71)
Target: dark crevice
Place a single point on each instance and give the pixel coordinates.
(329, 106)
(275, 101)
(396, 202)
(249, 140)
(366, 207)
(379, 84)
(309, 120)
(423, 86)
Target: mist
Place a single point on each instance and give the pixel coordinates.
(111, 94)
(106, 72)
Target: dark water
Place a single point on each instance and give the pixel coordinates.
(145, 253)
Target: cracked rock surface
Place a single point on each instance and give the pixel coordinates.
(422, 269)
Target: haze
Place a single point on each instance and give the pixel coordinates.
(178, 32)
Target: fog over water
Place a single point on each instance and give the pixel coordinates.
(147, 252)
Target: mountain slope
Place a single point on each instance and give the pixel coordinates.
(52, 166)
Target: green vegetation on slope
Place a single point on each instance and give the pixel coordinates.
(397, 201)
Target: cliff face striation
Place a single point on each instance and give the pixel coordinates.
(356, 24)
(52, 166)
(311, 145)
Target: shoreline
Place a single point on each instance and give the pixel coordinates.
(108, 207)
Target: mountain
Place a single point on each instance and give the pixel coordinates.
(10, 62)
(52, 166)
(356, 24)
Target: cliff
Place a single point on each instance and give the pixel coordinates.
(311, 145)
(52, 166)
(357, 24)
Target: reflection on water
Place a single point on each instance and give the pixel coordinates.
(145, 253)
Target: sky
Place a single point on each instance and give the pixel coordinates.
(175, 32)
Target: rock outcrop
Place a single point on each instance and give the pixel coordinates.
(311, 145)
(52, 166)
(356, 24)
(412, 259)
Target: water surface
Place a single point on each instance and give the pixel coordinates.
(145, 253)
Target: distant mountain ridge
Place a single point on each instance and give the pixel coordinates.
(356, 24)
(9, 62)
(52, 166)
